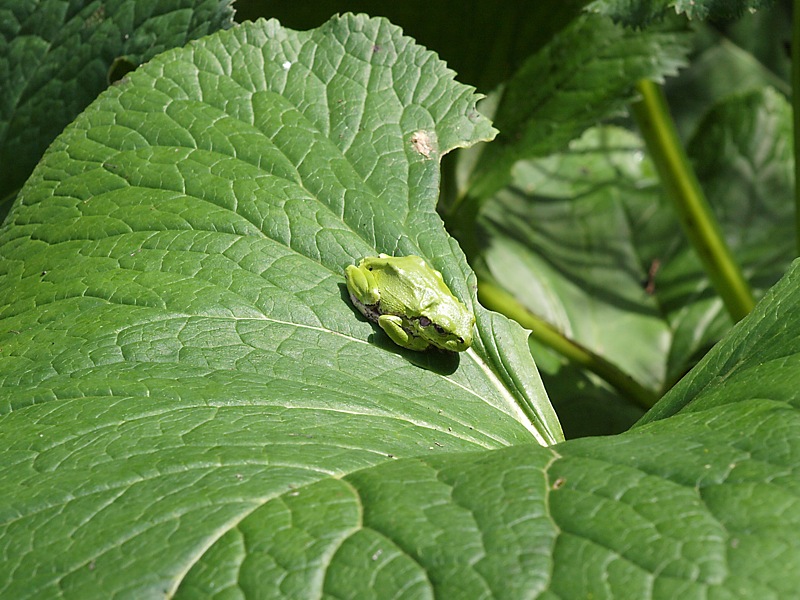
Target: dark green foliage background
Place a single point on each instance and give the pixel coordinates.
(190, 406)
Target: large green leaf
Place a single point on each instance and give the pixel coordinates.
(303, 165)
(55, 58)
(173, 306)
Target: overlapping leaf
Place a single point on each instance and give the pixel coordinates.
(585, 74)
(55, 58)
(584, 240)
(641, 12)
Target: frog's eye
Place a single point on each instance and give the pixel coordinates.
(424, 321)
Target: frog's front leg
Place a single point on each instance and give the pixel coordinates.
(393, 326)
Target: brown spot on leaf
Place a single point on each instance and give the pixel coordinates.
(422, 143)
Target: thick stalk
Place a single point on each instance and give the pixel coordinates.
(680, 182)
(497, 299)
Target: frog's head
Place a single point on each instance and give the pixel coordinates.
(451, 331)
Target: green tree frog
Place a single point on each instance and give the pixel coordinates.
(410, 302)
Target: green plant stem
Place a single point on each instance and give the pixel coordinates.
(796, 113)
(692, 208)
(494, 297)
